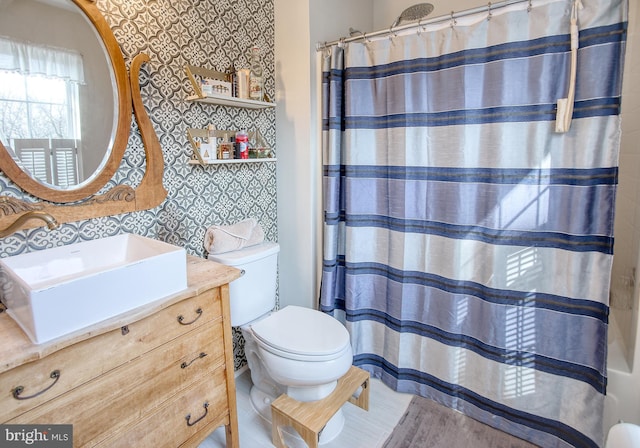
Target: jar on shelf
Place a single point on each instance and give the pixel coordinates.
(256, 81)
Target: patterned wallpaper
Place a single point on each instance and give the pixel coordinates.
(213, 34)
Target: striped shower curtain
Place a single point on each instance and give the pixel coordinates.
(468, 243)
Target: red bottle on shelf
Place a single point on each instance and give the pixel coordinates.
(242, 144)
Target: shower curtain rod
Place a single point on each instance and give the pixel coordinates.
(454, 15)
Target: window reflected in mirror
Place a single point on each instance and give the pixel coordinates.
(58, 114)
(39, 123)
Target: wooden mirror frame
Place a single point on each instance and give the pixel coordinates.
(120, 199)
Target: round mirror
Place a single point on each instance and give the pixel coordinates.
(65, 103)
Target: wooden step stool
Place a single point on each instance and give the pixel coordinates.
(309, 418)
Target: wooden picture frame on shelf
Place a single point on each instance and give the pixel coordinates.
(197, 75)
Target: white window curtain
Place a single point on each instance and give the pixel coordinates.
(31, 59)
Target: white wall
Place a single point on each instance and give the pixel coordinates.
(293, 136)
(299, 25)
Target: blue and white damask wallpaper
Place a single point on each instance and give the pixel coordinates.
(214, 34)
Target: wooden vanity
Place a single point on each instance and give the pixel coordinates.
(159, 376)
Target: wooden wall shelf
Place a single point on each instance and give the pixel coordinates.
(194, 135)
(226, 161)
(224, 100)
(231, 101)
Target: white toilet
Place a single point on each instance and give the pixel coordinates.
(296, 350)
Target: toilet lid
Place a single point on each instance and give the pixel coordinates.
(302, 331)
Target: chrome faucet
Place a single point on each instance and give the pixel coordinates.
(33, 214)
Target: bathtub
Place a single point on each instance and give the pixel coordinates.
(623, 396)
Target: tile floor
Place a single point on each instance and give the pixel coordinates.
(361, 430)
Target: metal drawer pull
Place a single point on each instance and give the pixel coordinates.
(184, 365)
(181, 318)
(206, 410)
(55, 375)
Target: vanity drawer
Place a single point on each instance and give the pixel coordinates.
(116, 400)
(93, 357)
(169, 427)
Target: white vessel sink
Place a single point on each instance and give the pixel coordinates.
(53, 292)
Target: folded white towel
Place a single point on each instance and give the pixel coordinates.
(219, 239)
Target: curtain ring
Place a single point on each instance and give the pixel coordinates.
(530, 7)
(366, 39)
(454, 22)
(420, 28)
(392, 33)
(490, 13)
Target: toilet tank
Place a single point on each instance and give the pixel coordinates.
(254, 293)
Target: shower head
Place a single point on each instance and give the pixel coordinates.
(415, 12)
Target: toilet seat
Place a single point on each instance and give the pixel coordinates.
(302, 334)
(300, 357)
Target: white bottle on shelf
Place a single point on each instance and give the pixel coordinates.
(256, 80)
(212, 142)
